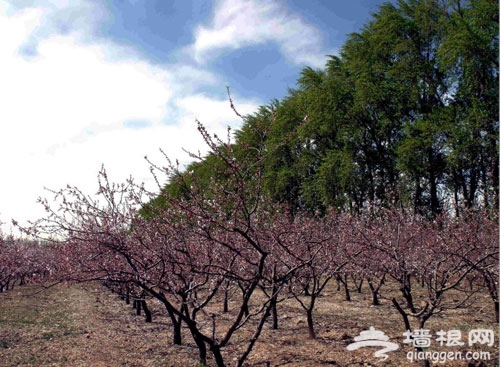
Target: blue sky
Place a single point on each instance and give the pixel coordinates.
(160, 29)
(91, 82)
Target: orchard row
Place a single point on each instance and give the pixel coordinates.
(230, 244)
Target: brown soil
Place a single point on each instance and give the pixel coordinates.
(85, 325)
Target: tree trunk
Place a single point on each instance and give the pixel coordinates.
(127, 297)
(137, 305)
(245, 304)
(147, 312)
(176, 325)
(435, 205)
(306, 290)
(244, 356)
(375, 300)
(310, 324)
(404, 315)
(274, 311)
(217, 356)
(346, 289)
(202, 348)
(177, 338)
(274, 297)
(226, 301)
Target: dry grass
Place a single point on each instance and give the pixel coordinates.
(87, 326)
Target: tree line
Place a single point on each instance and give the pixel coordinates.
(406, 114)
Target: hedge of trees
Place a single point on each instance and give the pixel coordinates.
(408, 111)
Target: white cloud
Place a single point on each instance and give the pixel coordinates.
(67, 108)
(61, 16)
(241, 23)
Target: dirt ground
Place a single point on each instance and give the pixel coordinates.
(85, 325)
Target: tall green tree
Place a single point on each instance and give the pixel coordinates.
(469, 54)
(399, 91)
(406, 114)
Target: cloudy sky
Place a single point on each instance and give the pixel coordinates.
(91, 82)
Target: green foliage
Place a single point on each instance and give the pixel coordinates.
(406, 114)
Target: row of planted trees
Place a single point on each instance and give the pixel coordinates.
(23, 261)
(221, 258)
(406, 111)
